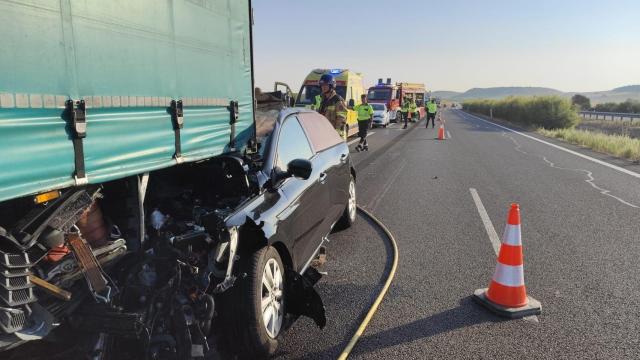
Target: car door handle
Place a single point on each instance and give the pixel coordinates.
(323, 178)
(343, 158)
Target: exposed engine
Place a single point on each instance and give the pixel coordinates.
(80, 262)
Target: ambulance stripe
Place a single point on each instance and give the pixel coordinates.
(509, 275)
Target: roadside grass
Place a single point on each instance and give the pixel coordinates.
(616, 145)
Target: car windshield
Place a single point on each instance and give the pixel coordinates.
(379, 94)
(309, 92)
(378, 107)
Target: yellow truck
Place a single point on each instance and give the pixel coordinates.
(349, 85)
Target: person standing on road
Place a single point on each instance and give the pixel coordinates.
(432, 108)
(413, 108)
(365, 114)
(332, 105)
(405, 111)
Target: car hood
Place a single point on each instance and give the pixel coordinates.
(378, 113)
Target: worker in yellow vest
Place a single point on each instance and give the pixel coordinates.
(413, 108)
(404, 109)
(365, 115)
(432, 108)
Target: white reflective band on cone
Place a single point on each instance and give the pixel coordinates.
(508, 275)
(512, 236)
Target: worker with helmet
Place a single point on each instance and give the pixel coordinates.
(365, 114)
(332, 106)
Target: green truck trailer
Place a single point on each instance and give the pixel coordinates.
(117, 74)
(112, 115)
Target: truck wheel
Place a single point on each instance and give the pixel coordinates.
(349, 215)
(264, 302)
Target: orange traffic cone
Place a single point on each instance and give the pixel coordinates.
(507, 294)
(441, 132)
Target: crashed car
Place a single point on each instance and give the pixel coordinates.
(148, 209)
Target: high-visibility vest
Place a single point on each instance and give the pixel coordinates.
(365, 111)
(413, 107)
(405, 107)
(432, 107)
(316, 105)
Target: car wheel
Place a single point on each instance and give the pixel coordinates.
(349, 215)
(260, 305)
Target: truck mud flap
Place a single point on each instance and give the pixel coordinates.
(302, 298)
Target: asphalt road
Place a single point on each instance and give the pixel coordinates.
(581, 239)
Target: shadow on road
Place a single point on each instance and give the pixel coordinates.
(466, 314)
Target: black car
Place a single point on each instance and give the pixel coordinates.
(308, 188)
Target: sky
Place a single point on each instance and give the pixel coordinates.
(569, 45)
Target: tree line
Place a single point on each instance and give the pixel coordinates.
(583, 103)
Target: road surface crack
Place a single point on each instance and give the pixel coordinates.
(590, 179)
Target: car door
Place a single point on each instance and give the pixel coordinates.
(332, 155)
(302, 219)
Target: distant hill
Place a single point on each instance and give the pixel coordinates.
(618, 94)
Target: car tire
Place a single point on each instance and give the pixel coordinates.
(349, 215)
(255, 329)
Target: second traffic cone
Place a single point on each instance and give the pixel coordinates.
(441, 132)
(507, 294)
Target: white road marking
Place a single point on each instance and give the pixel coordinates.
(597, 161)
(358, 139)
(493, 236)
(448, 134)
(488, 226)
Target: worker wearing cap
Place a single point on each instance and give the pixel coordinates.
(432, 108)
(332, 105)
(365, 114)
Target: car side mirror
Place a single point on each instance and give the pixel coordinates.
(300, 168)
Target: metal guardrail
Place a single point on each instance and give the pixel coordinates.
(613, 115)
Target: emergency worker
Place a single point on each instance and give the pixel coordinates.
(404, 109)
(413, 108)
(332, 105)
(432, 108)
(365, 114)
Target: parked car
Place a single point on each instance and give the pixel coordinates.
(380, 115)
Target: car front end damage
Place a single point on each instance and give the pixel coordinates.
(135, 268)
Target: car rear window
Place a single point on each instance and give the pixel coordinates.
(319, 130)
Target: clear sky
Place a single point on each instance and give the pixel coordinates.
(570, 45)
